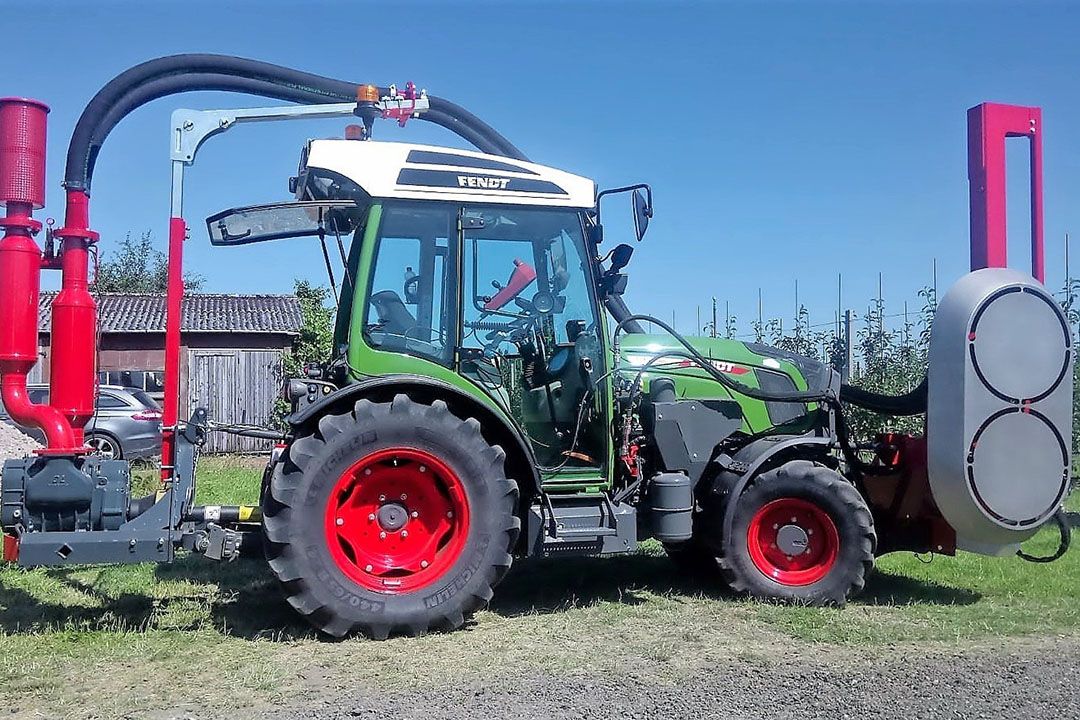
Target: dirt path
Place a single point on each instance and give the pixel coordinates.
(1029, 679)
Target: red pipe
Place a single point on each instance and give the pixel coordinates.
(173, 303)
(72, 376)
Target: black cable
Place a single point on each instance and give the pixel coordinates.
(1062, 521)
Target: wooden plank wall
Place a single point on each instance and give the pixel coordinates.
(235, 386)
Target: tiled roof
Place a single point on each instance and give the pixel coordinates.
(138, 313)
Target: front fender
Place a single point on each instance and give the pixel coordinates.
(755, 456)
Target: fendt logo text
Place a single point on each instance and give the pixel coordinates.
(476, 181)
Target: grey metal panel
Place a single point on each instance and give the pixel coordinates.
(999, 409)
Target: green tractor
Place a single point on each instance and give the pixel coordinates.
(490, 396)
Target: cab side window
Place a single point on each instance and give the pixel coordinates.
(408, 299)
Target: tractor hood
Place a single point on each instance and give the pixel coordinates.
(745, 362)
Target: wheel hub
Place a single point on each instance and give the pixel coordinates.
(397, 520)
(392, 517)
(792, 540)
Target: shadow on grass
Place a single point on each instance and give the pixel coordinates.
(242, 599)
(889, 589)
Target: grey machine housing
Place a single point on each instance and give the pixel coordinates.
(999, 408)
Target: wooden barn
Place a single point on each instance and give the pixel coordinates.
(231, 353)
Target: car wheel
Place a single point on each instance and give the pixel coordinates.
(104, 445)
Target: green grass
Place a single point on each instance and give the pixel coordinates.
(125, 641)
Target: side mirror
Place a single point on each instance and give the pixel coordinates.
(643, 211)
(620, 256)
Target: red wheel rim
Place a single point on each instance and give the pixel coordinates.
(793, 541)
(397, 520)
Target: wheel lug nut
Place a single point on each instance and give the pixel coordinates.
(423, 563)
(450, 514)
(404, 533)
(810, 531)
(371, 517)
(415, 514)
(403, 496)
(382, 535)
(340, 522)
(793, 519)
(367, 471)
(382, 498)
(423, 469)
(367, 568)
(775, 527)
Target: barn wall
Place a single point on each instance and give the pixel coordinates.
(236, 386)
(244, 393)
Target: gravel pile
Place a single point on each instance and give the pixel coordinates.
(14, 443)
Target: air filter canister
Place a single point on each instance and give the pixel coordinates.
(999, 408)
(22, 151)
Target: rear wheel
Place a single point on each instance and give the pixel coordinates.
(395, 517)
(104, 445)
(801, 533)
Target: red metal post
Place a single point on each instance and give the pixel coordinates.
(22, 189)
(989, 124)
(173, 306)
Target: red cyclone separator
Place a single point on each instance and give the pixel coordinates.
(389, 560)
(22, 188)
(807, 568)
(72, 372)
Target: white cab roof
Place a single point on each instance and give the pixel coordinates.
(425, 172)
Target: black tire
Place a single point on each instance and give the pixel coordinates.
(809, 486)
(297, 537)
(100, 440)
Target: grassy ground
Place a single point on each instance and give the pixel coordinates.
(116, 641)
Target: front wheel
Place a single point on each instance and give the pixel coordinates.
(801, 533)
(394, 517)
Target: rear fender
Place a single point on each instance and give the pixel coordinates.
(496, 429)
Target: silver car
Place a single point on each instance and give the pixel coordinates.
(127, 423)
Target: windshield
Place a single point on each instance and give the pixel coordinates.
(526, 268)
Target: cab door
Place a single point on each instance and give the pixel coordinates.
(531, 331)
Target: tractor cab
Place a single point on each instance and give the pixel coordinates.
(463, 267)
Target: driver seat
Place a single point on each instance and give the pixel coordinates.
(394, 316)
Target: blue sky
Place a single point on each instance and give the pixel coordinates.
(784, 142)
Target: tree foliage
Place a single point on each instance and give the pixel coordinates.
(136, 266)
(317, 333)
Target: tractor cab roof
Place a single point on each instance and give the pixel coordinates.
(425, 172)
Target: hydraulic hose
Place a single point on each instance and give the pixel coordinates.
(1061, 519)
(183, 73)
(910, 403)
